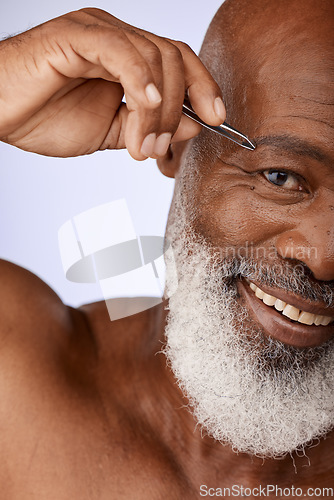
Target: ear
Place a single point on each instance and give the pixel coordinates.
(170, 163)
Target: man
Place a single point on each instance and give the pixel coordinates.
(89, 408)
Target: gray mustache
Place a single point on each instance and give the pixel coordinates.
(292, 278)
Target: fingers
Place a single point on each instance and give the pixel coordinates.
(204, 93)
(186, 130)
(108, 53)
(181, 69)
(164, 121)
(123, 57)
(154, 72)
(115, 138)
(172, 96)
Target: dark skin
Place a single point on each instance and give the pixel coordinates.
(89, 410)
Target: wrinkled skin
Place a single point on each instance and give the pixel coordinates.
(89, 410)
(283, 98)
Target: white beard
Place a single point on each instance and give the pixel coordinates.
(260, 396)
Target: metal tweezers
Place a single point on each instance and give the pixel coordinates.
(224, 129)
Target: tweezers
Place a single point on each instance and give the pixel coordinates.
(224, 129)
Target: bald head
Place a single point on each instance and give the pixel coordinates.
(262, 50)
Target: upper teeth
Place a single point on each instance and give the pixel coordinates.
(290, 311)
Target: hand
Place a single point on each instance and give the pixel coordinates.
(62, 85)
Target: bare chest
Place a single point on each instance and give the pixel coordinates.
(68, 456)
(77, 455)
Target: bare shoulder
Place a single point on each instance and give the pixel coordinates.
(36, 325)
(39, 334)
(68, 382)
(28, 307)
(138, 319)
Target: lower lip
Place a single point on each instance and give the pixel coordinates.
(279, 327)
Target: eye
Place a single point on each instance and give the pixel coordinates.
(284, 179)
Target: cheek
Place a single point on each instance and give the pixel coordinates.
(237, 215)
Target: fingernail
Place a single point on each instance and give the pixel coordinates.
(147, 146)
(162, 143)
(152, 94)
(219, 108)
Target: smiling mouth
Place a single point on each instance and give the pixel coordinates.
(291, 312)
(286, 322)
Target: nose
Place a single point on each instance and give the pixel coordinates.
(311, 243)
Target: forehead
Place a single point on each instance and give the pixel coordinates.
(278, 54)
(299, 74)
(284, 94)
(293, 96)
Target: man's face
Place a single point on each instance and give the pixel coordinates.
(260, 222)
(276, 204)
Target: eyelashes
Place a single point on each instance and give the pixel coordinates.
(285, 180)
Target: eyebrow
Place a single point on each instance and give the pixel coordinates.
(294, 145)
